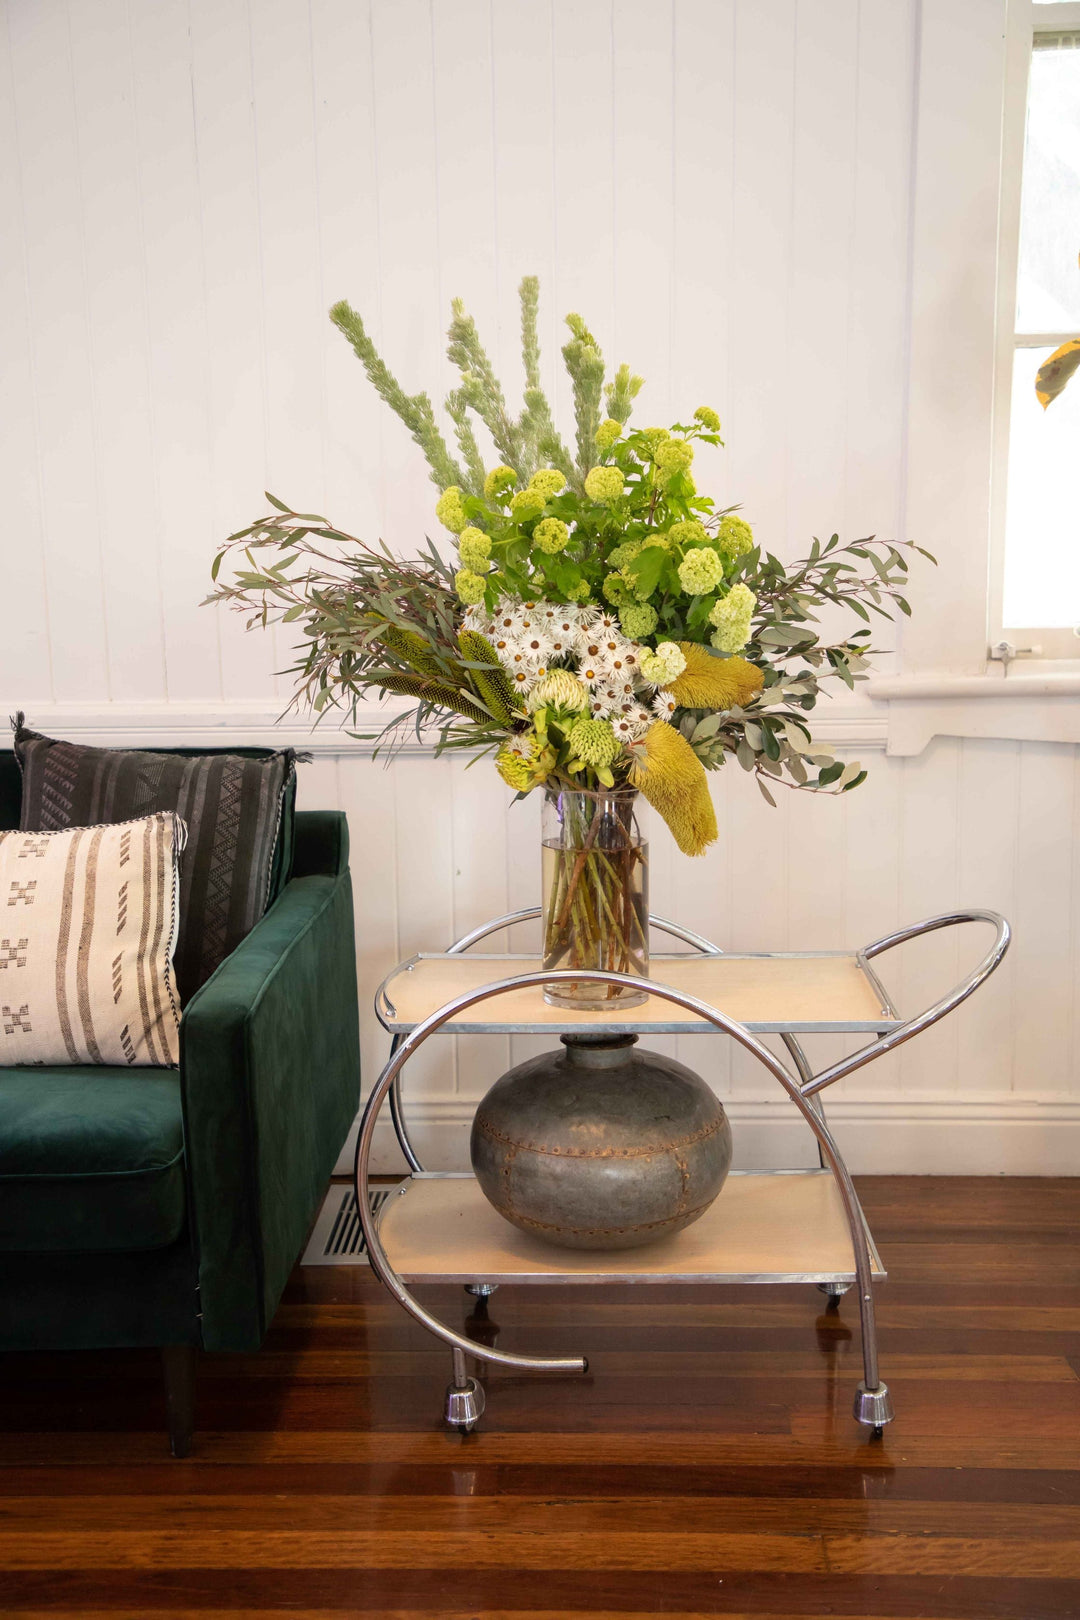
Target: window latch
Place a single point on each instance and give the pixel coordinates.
(1003, 653)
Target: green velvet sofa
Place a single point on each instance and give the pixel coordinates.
(165, 1207)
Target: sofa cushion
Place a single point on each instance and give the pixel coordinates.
(90, 1159)
(237, 808)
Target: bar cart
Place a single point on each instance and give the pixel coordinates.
(780, 1226)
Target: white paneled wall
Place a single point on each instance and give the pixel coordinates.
(725, 188)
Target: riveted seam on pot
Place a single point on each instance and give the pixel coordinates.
(684, 1217)
(494, 1135)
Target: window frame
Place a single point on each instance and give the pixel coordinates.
(1057, 648)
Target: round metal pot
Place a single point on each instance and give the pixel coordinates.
(600, 1146)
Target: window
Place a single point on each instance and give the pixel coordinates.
(1040, 601)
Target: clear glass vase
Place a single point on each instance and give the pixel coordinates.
(596, 894)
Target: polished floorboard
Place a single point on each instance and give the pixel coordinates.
(706, 1465)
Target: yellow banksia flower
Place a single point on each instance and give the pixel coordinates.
(714, 683)
(671, 777)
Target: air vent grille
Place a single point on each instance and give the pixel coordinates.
(337, 1238)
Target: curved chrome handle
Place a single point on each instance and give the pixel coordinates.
(915, 1026)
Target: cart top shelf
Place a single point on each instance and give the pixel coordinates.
(823, 993)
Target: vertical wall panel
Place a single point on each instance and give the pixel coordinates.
(725, 190)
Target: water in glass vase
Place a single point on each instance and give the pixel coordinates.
(596, 895)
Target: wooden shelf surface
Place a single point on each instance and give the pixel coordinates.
(767, 1227)
(824, 993)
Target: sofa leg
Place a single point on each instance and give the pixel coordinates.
(178, 1366)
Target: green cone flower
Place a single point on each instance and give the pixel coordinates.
(700, 571)
(594, 743)
(604, 484)
(551, 535)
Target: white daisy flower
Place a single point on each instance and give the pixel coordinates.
(663, 706)
(535, 643)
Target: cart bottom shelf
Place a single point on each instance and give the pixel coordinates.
(765, 1227)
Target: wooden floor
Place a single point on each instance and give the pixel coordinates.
(708, 1464)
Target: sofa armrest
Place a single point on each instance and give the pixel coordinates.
(321, 843)
(270, 1074)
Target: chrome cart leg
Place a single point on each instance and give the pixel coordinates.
(806, 1073)
(397, 1116)
(464, 1396)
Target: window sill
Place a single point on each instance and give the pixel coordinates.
(1029, 706)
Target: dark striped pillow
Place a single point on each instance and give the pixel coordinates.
(237, 808)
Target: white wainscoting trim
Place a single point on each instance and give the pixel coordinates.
(258, 724)
(1002, 1134)
(1024, 707)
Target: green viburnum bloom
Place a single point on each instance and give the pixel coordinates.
(700, 571)
(731, 617)
(449, 510)
(594, 743)
(637, 619)
(559, 690)
(617, 590)
(734, 537)
(674, 457)
(604, 484)
(653, 438)
(664, 665)
(526, 504)
(498, 481)
(624, 553)
(551, 535)
(690, 533)
(547, 482)
(469, 586)
(581, 591)
(708, 418)
(474, 549)
(607, 434)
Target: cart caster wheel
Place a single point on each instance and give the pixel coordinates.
(464, 1406)
(876, 1432)
(833, 1292)
(873, 1407)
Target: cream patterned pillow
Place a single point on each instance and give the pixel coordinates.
(87, 930)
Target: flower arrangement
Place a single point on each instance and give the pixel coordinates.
(602, 625)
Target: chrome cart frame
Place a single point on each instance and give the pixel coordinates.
(465, 1396)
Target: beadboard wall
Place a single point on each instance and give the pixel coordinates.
(727, 189)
